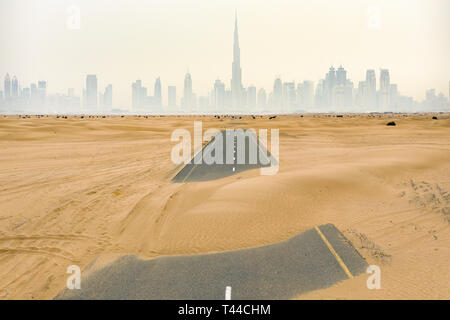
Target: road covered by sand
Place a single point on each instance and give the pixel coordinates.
(87, 191)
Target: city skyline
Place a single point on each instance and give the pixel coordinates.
(292, 40)
(334, 93)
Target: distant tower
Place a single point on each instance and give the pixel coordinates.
(341, 76)
(107, 98)
(236, 80)
(7, 87)
(34, 92)
(42, 92)
(277, 93)
(305, 95)
(330, 83)
(385, 84)
(371, 90)
(289, 97)
(91, 92)
(14, 87)
(251, 97)
(308, 94)
(172, 96)
(219, 95)
(136, 94)
(158, 94)
(343, 91)
(262, 99)
(187, 96)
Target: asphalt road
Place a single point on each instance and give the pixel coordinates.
(314, 259)
(231, 146)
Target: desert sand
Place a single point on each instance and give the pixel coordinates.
(86, 191)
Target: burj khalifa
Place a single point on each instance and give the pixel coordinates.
(236, 80)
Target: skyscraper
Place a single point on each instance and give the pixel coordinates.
(328, 88)
(15, 87)
(289, 97)
(305, 95)
(187, 96)
(262, 99)
(135, 95)
(172, 96)
(91, 92)
(371, 91)
(219, 95)
(385, 83)
(101, 102)
(251, 97)
(342, 91)
(34, 93)
(107, 98)
(341, 76)
(42, 92)
(158, 94)
(236, 80)
(277, 93)
(393, 96)
(7, 87)
(26, 94)
(140, 99)
(319, 102)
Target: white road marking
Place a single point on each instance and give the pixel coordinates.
(234, 159)
(228, 293)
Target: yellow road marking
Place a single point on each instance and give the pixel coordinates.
(335, 254)
(189, 173)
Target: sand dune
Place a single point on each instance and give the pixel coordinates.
(86, 191)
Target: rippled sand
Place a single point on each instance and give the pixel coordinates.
(86, 191)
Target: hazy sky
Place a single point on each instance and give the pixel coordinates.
(125, 40)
